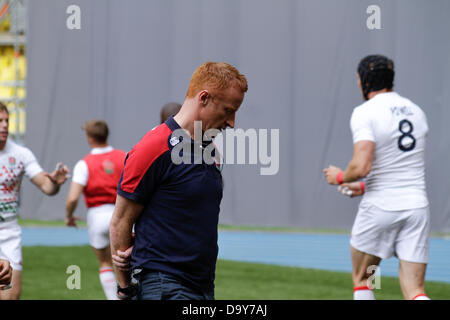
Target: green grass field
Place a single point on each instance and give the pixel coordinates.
(45, 277)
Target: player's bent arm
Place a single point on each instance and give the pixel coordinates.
(361, 163)
(125, 214)
(43, 182)
(49, 183)
(74, 194)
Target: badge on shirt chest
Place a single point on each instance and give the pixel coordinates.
(108, 166)
(174, 141)
(12, 163)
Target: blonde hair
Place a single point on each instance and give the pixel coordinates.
(216, 76)
(97, 130)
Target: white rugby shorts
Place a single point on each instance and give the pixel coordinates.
(98, 220)
(382, 233)
(11, 243)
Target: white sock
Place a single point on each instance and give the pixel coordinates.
(108, 281)
(421, 296)
(363, 293)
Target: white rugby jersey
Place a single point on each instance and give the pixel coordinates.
(399, 128)
(15, 161)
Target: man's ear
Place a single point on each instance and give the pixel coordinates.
(204, 97)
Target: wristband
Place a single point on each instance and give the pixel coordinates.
(339, 177)
(363, 186)
(126, 293)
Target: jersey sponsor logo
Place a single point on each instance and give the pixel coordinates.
(174, 141)
(108, 166)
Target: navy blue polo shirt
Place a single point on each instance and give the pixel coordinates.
(177, 229)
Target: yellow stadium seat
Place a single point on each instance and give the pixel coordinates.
(9, 51)
(8, 74)
(12, 122)
(21, 92)
(6, 92)
(17, 116)
(22, 124)
(22, 67)
(4, 62)
(6, 23)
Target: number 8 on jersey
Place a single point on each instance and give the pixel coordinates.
(406, 142)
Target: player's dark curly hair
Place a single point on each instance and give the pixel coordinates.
(376, 73)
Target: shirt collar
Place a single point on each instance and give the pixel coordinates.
(172, 124)
(102, 150)
(385, 94)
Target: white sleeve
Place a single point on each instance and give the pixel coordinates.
(80, 173)
(361, 126)
(32, 166)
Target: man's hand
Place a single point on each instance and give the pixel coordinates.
(5, 273)
(49, 183)
(331, 173)
(354, 187)
(72, 221)
(121, 260)
(59, 175)
(126, 212)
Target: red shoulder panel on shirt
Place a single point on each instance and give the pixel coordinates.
(143, 155)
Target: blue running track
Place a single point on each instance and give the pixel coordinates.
(318, 251)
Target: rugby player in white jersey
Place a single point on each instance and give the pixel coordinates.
(15, 161)
(389, 133)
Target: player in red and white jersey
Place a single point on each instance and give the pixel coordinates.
(97, 176)
(15, 162)
(389, 136)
